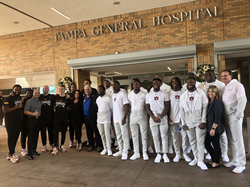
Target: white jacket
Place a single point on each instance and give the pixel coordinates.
(220, 85)
(198, 116)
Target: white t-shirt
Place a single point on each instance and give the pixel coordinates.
(164, 87)
(144, 90)
(174, 97)
(205, 85)
(185, 85)
(104, 104)
(119, 100)
(110, 91)
(156, 100)
(191, 96)
(137, 101)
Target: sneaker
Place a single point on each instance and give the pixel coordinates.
(119, 153)
(202, 165)
(44, 149)
(17, 157)
(208, 157)
(110, 153)
(205, 151)
(165, 158)
(135, 156)
(54, 151)
(186, 157)
(51, 147)
(193, 162)
(157, 158)
(104, 151)
(63, 149)
(170, 150)
(145, 156)
(177, 158)
(75, 143)
(8, 157)
(13, 159)
(230, 165)
(189, 149)
(150, 150)
(70, 144)
(225, 158)
(24, 152)
(239, 169)
(124, 156)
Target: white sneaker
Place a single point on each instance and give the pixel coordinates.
(225, 158)
(44, 149)
(157, 158)
(208, 157)
(189, 149)
(145, 156)
(119, 153)
(230, 165)
(239, 169)
(177, 158)
(205, 151)
(124, 156)
(135, 156)
(24, 152)
(150, 150)
(186, 157)
(170, 150)
(110, 153)
(202, 165)
(165, 158)
(104, 151)
(193, 162)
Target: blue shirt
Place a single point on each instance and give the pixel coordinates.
(86, 103)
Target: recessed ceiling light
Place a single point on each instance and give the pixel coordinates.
(169, 68)
(60, 13)
(116, 3)
(117, 73)
(16, 22)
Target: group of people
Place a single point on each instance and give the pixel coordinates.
(208, 115)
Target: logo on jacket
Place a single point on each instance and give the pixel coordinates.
(156, 98)
(177, 97)
(114, 99)
(191, 98)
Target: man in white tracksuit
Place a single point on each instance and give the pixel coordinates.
(138, 119)
(174, 120)
(193, 106)
(120, 113)
(157, 103)
(234, 100)
(104, 103)
(210, 80)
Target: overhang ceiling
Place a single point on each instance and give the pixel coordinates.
(76, 10)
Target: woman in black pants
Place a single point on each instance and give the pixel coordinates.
(214, 126)
(77, 117)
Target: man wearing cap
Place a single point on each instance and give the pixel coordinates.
(191, 74)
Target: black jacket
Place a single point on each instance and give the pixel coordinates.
(93, 108)
(215, 115)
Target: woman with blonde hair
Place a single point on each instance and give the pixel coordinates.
(214, 126)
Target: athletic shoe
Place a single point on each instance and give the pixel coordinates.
(104, 151)
(70, 144)
(189, 149)
(110, 153)
(239, 169)
(193, 162)
(51, 147)
(150, 150)
(44, 149)
(124, 156)
(14, 159)
(205, 151)
(208, 157)
(225, 158)
(186, 157)
(135, 156)
(63, 149)
(75, 143)
(177, 158)
(202, 165)
(54, 151)
(145, 156)
(230, 165)
(170, 150)
(17, 157)
(24, 152)
(119, 153)
(165, 158)
(8, 157)
(157, 158)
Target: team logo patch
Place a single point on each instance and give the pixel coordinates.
(156, 98)
(177, 97)
(114, 99)
(191, 98)
(6, 103)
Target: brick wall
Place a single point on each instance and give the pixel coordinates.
(36, 51)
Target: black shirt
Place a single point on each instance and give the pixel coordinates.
(13, 101)
(61, 104)
(1, 101)
(76, 109)
(47, 103)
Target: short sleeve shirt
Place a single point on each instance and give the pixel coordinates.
(12, 101)
(32, 105)
(118, 101)
(137, 101)
(156, 100)
(174, 97)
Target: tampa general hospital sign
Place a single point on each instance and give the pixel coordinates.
(139, 24)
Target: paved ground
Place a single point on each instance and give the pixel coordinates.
(82, 169)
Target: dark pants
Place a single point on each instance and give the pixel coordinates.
(71, 130)
(1, 116)
(47, 123)
(60, 124)
(33, 132)
(24, 132)
(13, 127)
(77, 125)
(214, 151)
(91, 128)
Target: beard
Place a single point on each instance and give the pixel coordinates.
(191, 88)
(156, 89)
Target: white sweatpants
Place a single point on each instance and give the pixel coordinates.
(175, 137)
(233, 128)
(223, 143)
(197, 139)
(135, 130)
(104, 130)
(122, 136)
(185, 141)
(160, 131)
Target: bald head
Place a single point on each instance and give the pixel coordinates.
(36, 94)
(45, 90)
